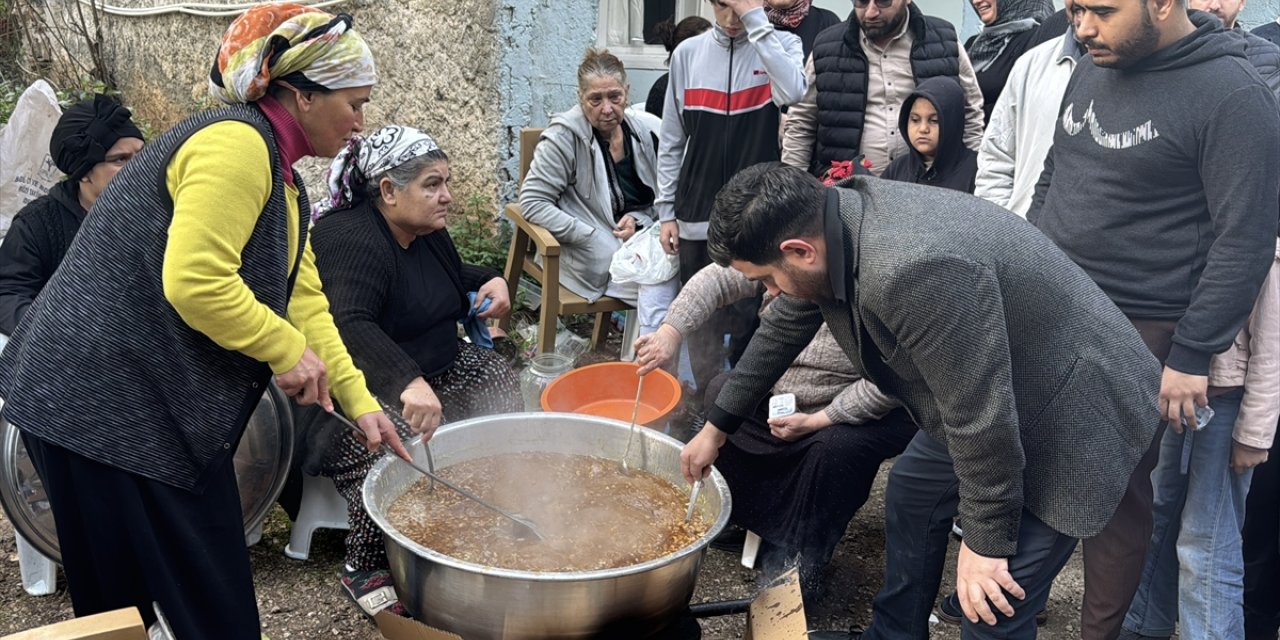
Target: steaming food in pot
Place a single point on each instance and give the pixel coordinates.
(591, 515)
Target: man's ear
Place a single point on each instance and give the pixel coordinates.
(1161, 10)
(801, 249)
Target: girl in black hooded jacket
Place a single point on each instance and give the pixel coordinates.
(932, 122)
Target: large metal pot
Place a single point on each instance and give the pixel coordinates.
(482, 603)
(261, 461)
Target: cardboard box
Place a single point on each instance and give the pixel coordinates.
(777, 613)
(121, 624)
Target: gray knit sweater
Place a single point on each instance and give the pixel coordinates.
(822, 378)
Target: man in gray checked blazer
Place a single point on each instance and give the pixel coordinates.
(1035, 396)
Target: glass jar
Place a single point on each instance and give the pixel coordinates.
(542, 369)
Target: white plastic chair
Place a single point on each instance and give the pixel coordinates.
(322, 507)
(39, 574)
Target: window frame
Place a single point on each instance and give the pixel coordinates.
(643, 56)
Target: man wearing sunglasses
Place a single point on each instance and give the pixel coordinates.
(859, 74)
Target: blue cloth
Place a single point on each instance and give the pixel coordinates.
(1195, 570)
(474, 325)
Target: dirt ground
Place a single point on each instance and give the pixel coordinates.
(302, 600)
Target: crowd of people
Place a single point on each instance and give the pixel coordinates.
(1040, 268)
(1039, 362)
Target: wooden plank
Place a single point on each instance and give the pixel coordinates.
(121, 624)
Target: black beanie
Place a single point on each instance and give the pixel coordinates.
(86, 131)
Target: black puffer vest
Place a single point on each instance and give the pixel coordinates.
(840, 67)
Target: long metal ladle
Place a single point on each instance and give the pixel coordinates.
(635, 411)
(522, 524)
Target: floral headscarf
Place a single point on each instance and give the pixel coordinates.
(368, 157)
(283, 41)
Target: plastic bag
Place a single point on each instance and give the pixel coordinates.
(642, 260)
(568, 343)
(26, 170)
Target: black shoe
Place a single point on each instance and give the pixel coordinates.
(949, 612)
(1126, 634)
(731, 539)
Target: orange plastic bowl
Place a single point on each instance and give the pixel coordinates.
(608, 390)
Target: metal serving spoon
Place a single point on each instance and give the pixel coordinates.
(399, 420)
(524, 528)
(693, 499)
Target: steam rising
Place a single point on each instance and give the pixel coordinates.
(591, 515)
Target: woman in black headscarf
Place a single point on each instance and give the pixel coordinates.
(1009, 29)
(92, 141)
(932, 122)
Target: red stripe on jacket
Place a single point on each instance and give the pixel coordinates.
(752, 98)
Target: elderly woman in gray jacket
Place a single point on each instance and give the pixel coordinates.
(592, 183)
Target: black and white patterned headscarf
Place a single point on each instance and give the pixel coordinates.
(1012, 17)
(369, 157)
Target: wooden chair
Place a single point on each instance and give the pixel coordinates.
(530, 242)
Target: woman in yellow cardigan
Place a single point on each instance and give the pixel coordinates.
(191, 288)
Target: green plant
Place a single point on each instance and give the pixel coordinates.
(9, 94)
(67, 96)
(478, 233)
(84, 89)
(87, 86)
(10, 42)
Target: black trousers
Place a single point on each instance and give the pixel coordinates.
(706, 343)
(128, 542)
(1262, 551)
(922, 497)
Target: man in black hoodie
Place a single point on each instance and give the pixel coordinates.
(1160, 186)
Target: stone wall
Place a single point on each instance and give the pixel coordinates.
(437, 66)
